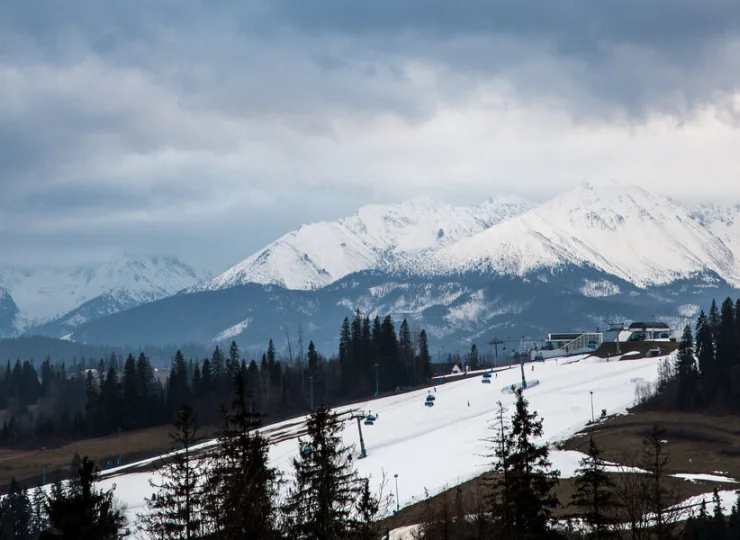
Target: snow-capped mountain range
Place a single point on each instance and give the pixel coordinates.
(624, 231)
(376, 237)
(592, 255)
(72, 296)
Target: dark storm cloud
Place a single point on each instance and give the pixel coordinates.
(138, 110)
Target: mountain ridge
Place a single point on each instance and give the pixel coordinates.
(47, 294)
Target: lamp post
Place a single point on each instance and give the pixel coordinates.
(592, 407)
(398, 503)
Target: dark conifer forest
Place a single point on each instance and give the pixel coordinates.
(53, 403)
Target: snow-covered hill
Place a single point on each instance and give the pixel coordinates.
(45, 294)
(624, 231)
(376, 237)
(432, 448)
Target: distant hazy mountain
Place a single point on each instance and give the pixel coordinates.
(53, 300)
(591, 256)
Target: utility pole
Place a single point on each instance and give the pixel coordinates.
(398, 502)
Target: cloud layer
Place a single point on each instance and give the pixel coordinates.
(209, 128)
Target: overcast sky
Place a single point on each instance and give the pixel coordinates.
(206, 129)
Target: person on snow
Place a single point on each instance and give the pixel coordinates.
(468, 404)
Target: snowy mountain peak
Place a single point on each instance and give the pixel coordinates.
(623, 230)
(42, 294)
(375, 237)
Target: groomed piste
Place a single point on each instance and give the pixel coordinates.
(431, 448)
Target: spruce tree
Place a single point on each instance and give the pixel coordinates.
(718, 527)
(661, 498)
(733, 527)
(726, 349)
(406, 351)
(175, 510)
(327, 499)
(78, 510)
(531, 476)
(424, 360)
(686, 372)
(500, 493)
(241, 487)
(594, 495)
(705, 356)
(18, 513)
(473, 359)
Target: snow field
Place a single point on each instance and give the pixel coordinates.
(431, 448)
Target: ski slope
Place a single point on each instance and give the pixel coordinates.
(431, 448)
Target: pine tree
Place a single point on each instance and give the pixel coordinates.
(327, 499)
(406, 351)
(473, 359)
(241, 487)
(594, 495)
(705, 356)
(718, 527)
(391, 368)
(233, 361)
(532, 478)
(424, 360)
(733, 528)
(80, 511)
(726, 348)
(130, 394)
(39, 521)
(178, 389)
(345, 355)
(18, 513)
(660, 498)
(175, 510)
(686, 372)
(500, 493)
(714, 318)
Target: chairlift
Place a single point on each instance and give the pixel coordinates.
(486, 381)
(429, 403)
(371, 417)
(486, 375)
(369, 422)
(430, 397)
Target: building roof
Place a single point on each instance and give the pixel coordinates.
(640, 325)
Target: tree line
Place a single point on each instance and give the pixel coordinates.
(229, 492)
(54, 403)
(706, 371)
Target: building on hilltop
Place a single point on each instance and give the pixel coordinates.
(645, 331)
(568, 343)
